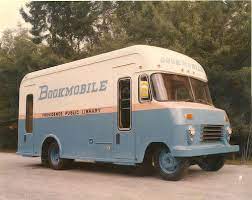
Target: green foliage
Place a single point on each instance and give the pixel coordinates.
(216, 34)
(18, 56)
(64, 25)
(233, 94)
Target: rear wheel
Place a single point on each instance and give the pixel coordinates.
(169, 167)
(212, 163)
(44, 162)
(54, 160)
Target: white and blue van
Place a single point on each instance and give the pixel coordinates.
(140, 105)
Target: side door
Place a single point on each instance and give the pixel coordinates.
(124, 135)
(26, 126)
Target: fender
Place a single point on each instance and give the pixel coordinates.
(54, 137)
(141, 152)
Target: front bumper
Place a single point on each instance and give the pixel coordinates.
(203, 149)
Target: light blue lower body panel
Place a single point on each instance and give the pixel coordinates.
(78, 136)
(204, 149)
(93, 137)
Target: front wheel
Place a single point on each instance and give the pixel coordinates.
(55, 162)
(169, 167)
(211, 163)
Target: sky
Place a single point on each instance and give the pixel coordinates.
(9, 14)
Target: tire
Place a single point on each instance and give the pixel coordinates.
(146, 168)
(170, 168)
(44, 162)
(211, 163)
(54, 160)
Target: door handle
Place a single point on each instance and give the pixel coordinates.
(118, 138)
(91, 141)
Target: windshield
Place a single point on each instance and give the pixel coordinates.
(170, 87)
(201, 91)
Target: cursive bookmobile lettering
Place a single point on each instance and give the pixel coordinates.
(46, 93)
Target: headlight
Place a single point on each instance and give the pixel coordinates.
(229, 130)
(191, 132)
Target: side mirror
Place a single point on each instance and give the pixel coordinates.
(144, 90)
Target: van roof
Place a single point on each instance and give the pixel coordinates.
(152, 55)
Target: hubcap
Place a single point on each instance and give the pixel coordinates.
(167, 162)
(55, 155)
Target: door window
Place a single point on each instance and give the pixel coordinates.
(29, 113)
(124, 104)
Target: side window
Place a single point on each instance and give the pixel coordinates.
(29, 113)
(144, 88)
(124, 103)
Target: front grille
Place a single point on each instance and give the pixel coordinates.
(211, 133)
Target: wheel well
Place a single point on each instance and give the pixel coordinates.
(45, 146)
(151, 148)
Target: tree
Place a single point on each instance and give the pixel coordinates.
(18, 56)
(64, 25)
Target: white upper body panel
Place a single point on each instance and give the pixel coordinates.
(155, 58)
(97, 74)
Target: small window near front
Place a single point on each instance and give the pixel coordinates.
(144, 88)
(29, 113)
(124, 104)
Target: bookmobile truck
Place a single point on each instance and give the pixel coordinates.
(141, 105)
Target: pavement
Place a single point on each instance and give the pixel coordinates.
(26, 179)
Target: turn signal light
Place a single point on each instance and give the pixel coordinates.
(189, 116)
